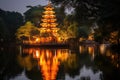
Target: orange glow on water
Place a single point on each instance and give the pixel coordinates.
(91, 50)
(48, 60)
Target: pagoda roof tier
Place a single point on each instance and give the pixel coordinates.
(48, 30)
(55, 28)
(49, 20)
(48, 16)
(49, 12)
(48, 8)
(49, 24)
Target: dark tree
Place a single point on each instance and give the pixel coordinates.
(33, 14)
(9, 22)
(105, 12)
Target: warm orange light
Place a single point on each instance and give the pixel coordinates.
(49, 25)
(49, 12)
(91, 50)
(102, 48)
(37, 54)
(37, 40)
(50, 66)
(49, 61)
(81, 49)
(48, 8)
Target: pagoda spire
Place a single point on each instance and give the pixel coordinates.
(49, 2)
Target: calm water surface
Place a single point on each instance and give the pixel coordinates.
(81, 63)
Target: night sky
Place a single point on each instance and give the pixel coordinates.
(20, 5)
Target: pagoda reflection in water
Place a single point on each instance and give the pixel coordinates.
(48, 60)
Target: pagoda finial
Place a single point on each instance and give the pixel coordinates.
(49, 2)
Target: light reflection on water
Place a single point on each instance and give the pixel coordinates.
(88, 49)
(64, 64)
(104, 50)
(114, 57)
(48, 60)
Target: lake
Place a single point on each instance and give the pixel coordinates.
(84, 62)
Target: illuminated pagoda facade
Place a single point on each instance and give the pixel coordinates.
(48, 29)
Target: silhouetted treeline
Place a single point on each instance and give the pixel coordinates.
(9, 22)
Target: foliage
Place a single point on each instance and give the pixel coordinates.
(66, 29)
(60, 14)
(34, 14)
(71, 29)
(105, 12)
(91, 8)
(83, 31)
(27, 31)
(114, 37)
(83, 9)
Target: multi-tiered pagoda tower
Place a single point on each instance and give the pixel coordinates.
(48, 30)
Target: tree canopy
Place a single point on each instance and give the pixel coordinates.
(104, 12)
(26, 31)
(9, 22)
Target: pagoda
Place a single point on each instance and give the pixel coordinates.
(48, 29)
